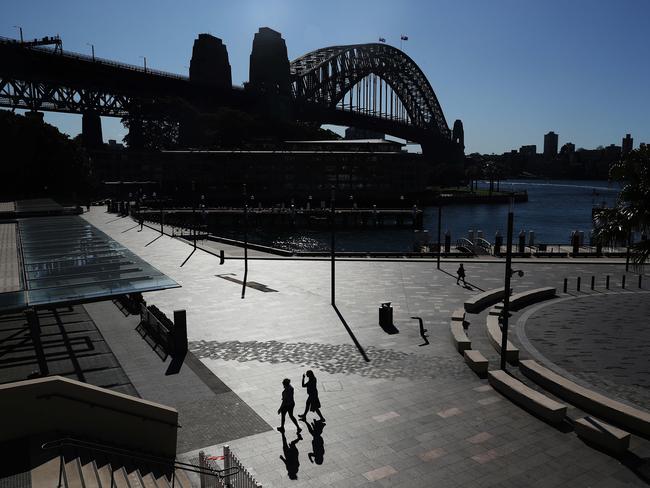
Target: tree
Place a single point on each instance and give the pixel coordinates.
(632, 210)
(40, 161)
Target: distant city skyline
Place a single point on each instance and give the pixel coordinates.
(511, 70)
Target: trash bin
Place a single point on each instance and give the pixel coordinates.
(385, 315)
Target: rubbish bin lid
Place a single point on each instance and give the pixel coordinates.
(385, 304)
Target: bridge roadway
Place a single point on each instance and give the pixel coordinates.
(40, 79)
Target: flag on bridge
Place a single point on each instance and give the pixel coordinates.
(404, 38)
(382, 39)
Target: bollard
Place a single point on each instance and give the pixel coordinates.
(607, 282)
(578, 284)
(623, 282)
(222, 256)
(566, 281)
(593, 282)
(640, 276)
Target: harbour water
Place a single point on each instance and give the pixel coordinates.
(554, 209)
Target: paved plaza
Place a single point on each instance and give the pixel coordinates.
(413, 415)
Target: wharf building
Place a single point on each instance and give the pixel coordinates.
(365, 172)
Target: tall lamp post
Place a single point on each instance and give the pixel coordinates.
(508, 274)
(21, 32)
(243, 289)
(439, 231)
(333, 222)
(92, 49)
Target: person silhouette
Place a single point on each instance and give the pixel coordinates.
(290, 458)
(286, 407)
(461, 274)
(317, 444)
(312, 403)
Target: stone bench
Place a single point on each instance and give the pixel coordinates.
(525, 298)
(630, 418)
(532, 400)
(459, 315)
(495, 336)
(459, 337)
(483, 300)
(476, 361)
(603, 435)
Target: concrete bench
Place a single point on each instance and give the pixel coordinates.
(476, 361)
(630, 418)
(496, 310)
(603, 435)
(532, 400)
(525, 298)
(495, 336)
(483, 300)
(459, 337)
(458, 315)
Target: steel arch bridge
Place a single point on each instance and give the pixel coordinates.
(370, 80)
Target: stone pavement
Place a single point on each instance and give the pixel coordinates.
(412, 416)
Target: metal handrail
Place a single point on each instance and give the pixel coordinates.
(96, 60)
(169, 463)
(119, 410)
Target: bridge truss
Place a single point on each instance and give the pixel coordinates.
(375, 80)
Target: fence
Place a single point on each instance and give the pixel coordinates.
(235, 474)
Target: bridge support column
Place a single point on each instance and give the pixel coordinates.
(33, 114)
(91, 129)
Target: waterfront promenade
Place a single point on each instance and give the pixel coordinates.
(412, 416)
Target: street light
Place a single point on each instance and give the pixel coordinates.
(21, 32)
(92, 48)
(243, 290)
(508, 274)
(333, 222)
(145, 62)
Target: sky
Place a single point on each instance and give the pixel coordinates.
(511, 70)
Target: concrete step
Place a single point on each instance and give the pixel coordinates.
(46, 474)
(120, 479)
(89, 472)
(148, 480)
(72, 472)
(103, 472)
(133, 476)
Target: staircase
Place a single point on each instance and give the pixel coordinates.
(79, 464)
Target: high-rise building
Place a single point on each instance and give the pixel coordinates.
(530, 150)
(627, 145)
(550, 144)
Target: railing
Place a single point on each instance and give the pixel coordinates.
(240, 477)
(96, 60)
(171, 464)
(483, 244)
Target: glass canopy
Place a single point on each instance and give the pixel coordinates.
(68, 260)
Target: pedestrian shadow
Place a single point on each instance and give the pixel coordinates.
(130, 228)
(317, 443)
(467, 286)
(291, 456)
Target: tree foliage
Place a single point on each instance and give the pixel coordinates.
(632, 210)
(40, 161)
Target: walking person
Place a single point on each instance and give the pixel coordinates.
(313, 403)
(461, 274)
(286, 407)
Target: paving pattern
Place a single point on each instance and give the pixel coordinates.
(603, 340)
(413, 416)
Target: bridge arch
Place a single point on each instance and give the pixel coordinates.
(327, 76)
